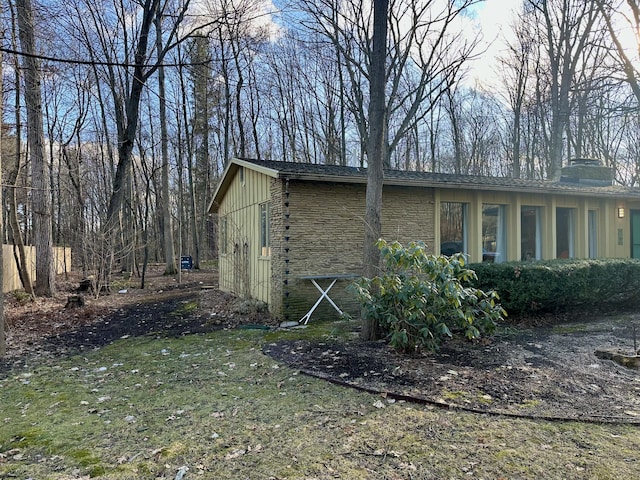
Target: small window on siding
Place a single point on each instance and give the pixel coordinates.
(265, 229)
(223, 239)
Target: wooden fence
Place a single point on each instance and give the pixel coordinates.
(12, 278)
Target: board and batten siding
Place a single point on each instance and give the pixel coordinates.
(242, 268)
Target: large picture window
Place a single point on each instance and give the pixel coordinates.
(593, 233)
(530, 242)
(453, 228)
(265, 229)
(565, 232)
(494, 233)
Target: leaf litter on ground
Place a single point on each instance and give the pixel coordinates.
(143, 408)
(212, 405)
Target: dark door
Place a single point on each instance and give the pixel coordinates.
(635, 233)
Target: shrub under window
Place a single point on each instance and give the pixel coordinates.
(420, 299)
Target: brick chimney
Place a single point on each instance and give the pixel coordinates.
(587, 171)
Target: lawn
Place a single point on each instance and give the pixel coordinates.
(214, 406)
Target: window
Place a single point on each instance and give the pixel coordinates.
(494, 233)
(530, 241)
(265, 229)
(222, 239)
(453, 228)
(593, 234)
(565, 233)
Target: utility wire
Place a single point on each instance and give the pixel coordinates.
(96, 62)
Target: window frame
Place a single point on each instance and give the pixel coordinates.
(223, 237)
(463, 227)
(500, 253)
(568, 228)
(536, 254)
(265, 229)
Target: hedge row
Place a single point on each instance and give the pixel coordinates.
(527, 288)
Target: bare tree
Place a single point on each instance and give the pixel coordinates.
(610, 10)
(3, 343)
(42, 226)
(167, 222)
(201, 76)
(564, 28)
(375, 153)
(515, 76)
(14, 176)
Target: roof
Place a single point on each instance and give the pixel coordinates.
(343, 174)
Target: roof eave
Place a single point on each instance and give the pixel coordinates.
(451, 185)
(227, 177)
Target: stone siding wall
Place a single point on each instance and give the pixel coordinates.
(326, 237)
(279, 255)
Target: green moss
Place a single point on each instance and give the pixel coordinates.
(215, 403)
(34, 437)
(453, 396)
(532, 403)
(484, 398)
(317, 330)
(185, 309)
(565, 329)
(83, 457)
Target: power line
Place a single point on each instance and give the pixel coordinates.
(96, 62)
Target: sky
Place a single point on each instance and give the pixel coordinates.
(493, 17)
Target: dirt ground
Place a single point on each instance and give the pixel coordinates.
(546, 372)
(45, 328)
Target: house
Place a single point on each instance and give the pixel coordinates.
(281, 222)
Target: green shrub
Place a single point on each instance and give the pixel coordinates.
(421, 299)
(527, 288)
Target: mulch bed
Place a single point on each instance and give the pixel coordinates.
(543, 372)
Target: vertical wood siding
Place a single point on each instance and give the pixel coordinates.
(242, 269)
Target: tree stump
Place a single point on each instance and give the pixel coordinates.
(74, 301)
(86, 285)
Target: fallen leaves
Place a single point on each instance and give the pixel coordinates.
(239, 452)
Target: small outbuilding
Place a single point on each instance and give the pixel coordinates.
(282, 224)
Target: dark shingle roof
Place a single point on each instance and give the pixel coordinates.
(343, 174)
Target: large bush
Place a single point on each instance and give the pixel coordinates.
(527, 288)
(420, 299)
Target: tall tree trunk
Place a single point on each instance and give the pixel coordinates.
(169, 252)
(376, 153)
(24, 269)
(3, 344)
(41, 195)
(127, 136)
(202, 74)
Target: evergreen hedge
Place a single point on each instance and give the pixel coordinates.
(527, 288)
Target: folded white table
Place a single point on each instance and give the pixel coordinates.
(324, 291)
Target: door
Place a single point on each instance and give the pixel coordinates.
(635, 233)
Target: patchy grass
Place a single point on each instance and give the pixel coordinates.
(568, 329)
(147, 407)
